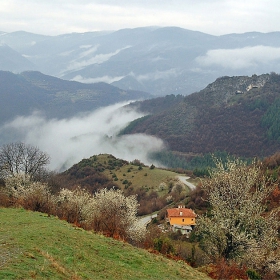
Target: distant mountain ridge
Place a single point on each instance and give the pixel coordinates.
(13, 61)
(234, 114)
(162, 61)
(22, 94)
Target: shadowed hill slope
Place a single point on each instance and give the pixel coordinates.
(21, 94)
(235, 114)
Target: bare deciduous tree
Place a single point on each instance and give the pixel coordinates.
(237, 226)
(19, 158)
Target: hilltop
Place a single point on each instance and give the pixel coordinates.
(35, 246)
(152, 185)
(239, 115)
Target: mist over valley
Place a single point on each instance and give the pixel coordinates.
(68, 141)
(139, 138)
(196, 93)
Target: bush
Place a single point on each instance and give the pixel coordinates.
(152, 167)
(107, 211)
(35, 196)
(116, 215)
(74, 206)
(252, 274)
(228, 270)
(164, 245)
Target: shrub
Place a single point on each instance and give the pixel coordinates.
(35, 196)
(228, 270)
(163, 245)
(116, 215)
(74, 206)
(252, 274)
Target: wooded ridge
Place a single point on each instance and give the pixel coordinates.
(239, 115)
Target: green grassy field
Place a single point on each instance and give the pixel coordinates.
(35, 246)
(147, 178)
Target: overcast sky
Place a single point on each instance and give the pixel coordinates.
(217, 17)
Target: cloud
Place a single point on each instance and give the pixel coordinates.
(153, 76)
(157, 75)
(240, 58)
(66, 53)
(78, 64)
(105, 79)
(90, 50)
(68, 141)
(85, 46)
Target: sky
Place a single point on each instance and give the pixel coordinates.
(216, 17)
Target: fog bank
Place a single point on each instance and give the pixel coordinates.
(68, 141)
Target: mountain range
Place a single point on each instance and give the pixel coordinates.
(160, 61)
(238, 114)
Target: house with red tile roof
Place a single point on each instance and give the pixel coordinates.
(181, 218)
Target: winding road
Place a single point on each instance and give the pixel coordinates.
(147, 219)
(184, 179)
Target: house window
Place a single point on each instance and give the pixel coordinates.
(192, 219)
(183, 220)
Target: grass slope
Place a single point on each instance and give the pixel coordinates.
(35, 246)
(105, 168)
(147, 178)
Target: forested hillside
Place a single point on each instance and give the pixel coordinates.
(22, 94)
(239, 115)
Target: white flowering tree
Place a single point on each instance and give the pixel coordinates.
(74, 205)
(107, 211)
(116, 215)
(237, 227)
(31, 195)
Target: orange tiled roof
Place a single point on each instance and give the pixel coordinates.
(175, 212)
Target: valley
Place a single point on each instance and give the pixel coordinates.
(223, 117)
(134, 122)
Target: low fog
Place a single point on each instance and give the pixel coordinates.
(85, 58)
(240, 58)
(68, 141)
